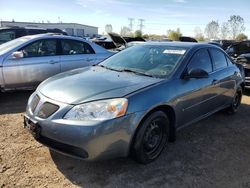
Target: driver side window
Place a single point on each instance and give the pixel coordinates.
(40, 48)
(200, 60)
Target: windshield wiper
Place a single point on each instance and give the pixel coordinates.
(136, 72)
(109, 68)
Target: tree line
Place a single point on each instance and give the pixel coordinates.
(232, 29)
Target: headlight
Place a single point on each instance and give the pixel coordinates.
(98, 110)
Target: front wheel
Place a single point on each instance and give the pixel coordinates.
(233, 108)
(151, 137)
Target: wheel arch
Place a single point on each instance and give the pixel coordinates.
(169, 111)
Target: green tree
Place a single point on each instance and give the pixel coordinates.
(212, 30)
(145, 36)
(236, 24)
(138, 33)
(174, 35)
(241, 37)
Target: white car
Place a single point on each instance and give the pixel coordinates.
(27, 61)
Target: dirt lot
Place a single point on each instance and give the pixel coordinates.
(212, 153)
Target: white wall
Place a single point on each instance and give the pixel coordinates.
(88, 30)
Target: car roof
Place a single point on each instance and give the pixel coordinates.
(52, 35)
(180, 44)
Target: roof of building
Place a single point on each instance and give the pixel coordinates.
(48, 23)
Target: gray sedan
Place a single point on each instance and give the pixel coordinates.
(133, 102)
(27, 61)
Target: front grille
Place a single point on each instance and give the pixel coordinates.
(34, 103)
(47, 109)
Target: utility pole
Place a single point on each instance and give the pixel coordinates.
(141, 25)
(131, 24)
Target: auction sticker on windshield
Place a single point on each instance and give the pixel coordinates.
(179, 52)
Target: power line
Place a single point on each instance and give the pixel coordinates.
(141, 25)
(131, 24)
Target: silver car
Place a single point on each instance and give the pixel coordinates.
(27, 61)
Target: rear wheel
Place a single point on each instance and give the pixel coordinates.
(151, 137)
(233, 108)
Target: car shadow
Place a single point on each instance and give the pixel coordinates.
(201, 156)
(13, 102)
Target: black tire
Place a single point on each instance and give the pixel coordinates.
(151, 138)
(233, 108)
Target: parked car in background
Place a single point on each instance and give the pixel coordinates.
(187, 39)
(10, 33)
(240, 52)
(244, 60)
(238, 48)
(215, 43)
(133, 102)
(121, 43)
(27, 61)
(224, 44)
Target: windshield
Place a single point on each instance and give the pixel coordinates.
(12, 44)
(156, 61)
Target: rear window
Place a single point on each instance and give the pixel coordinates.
(74, 47)
(229, 61)
(219, 59)
(6, 36)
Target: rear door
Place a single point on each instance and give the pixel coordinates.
(40, 61)
(223, 77)
(76, 54)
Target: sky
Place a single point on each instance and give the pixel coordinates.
(159, 15)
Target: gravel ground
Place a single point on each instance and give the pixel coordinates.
(212, 153)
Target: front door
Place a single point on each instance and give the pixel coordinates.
(199, 93)
(39, 62)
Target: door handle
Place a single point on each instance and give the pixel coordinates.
(53, 62)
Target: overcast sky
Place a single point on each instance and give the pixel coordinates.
(159, 15)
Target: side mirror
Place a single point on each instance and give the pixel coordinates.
(17, 55)
(196, 73)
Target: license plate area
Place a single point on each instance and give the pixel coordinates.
(32, 127)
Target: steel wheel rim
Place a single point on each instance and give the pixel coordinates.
(153, 137)
(236, 101)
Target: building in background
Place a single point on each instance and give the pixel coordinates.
(73, 29)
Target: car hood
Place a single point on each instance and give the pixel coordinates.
(92, 83)
(117, 39)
